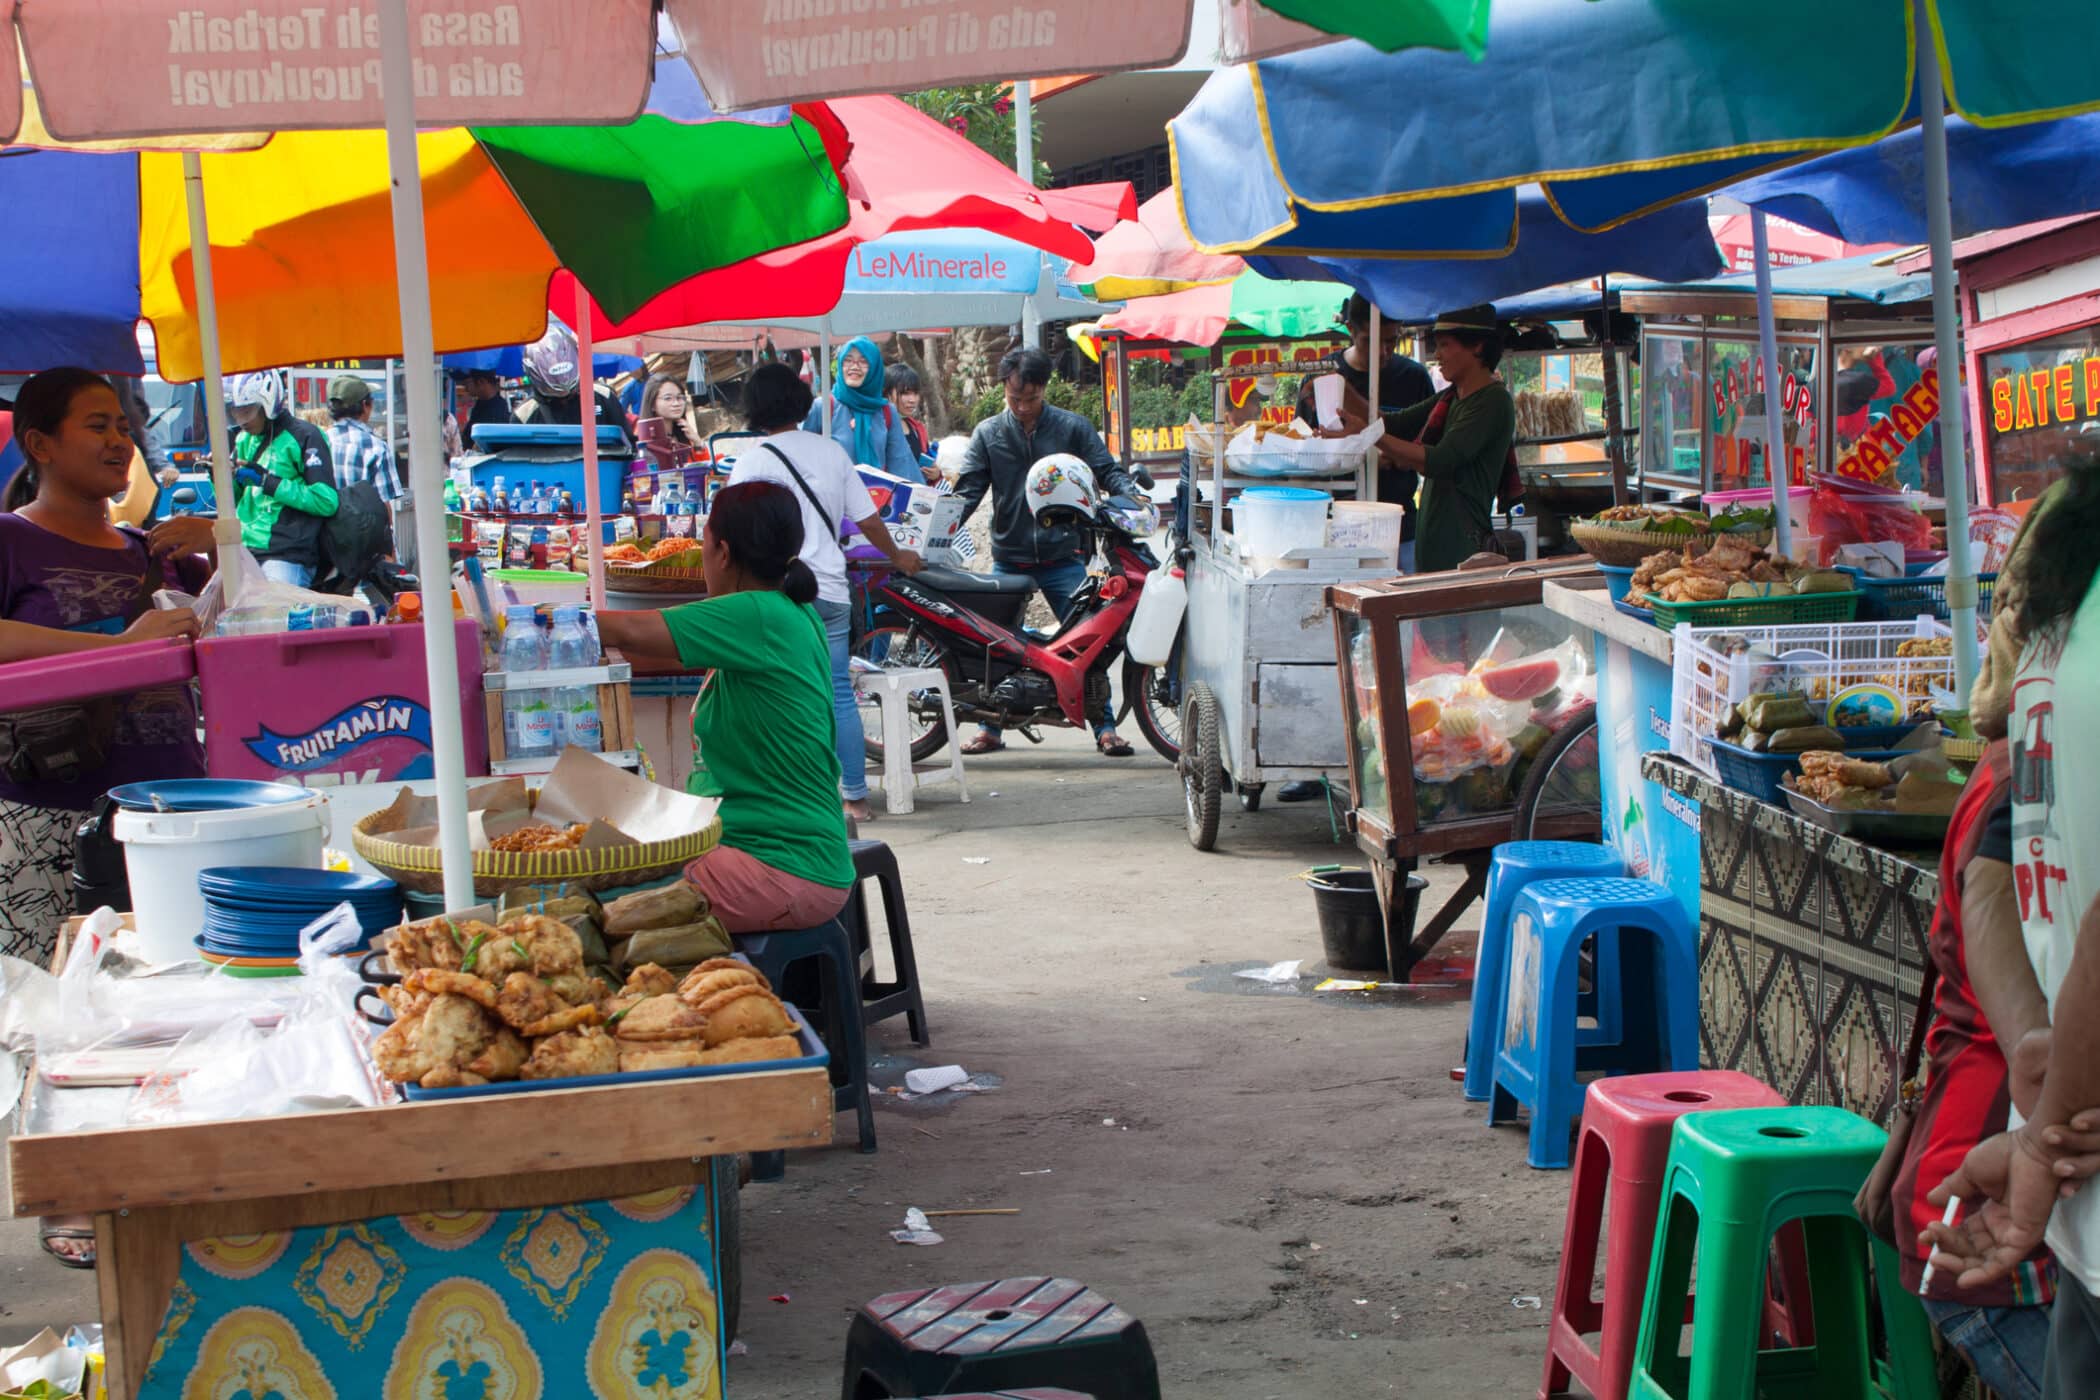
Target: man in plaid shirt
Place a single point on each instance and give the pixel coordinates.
(359, 454)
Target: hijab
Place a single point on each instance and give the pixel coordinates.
(866, 408)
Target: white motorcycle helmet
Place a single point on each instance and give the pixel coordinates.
(263, 390)
(1061, 491)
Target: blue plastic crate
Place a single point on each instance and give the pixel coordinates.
(1894, 599)
(551, 454)
(1762, 774)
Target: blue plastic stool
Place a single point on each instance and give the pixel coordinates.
(845, 1035)
(1654, 998)
(1518, 864)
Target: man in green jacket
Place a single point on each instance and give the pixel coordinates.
(285, 478)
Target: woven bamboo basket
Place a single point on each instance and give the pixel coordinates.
(420, 868)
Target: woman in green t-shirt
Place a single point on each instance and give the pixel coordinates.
(762, 727)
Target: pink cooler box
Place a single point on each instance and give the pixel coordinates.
(352, 702)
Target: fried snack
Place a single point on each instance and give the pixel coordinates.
(567, 1019)
(439, 983)
(551, 945)
(573, 1054)
(741, 1013)
(1831, 778)
(525, 999)
(575, 989)
(403, 1002)
(503, 1057)
(452, 1077)
(399, 1054)
(758, 1047)
(625, 553)
(703, 982)
(666, 906)
(677, 544)
(660, 1054)
(1692, 576)
(452, 1034)
(440, 943)
(540, 837)
(660, 1018)
(650, 980)
(734, 964)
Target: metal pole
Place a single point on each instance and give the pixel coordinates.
(1024, 166)
(1614, 409)
(1946, 335)
(226, 529)
(587, 375)
(823, 385)
(426, 473)
(1768, 350)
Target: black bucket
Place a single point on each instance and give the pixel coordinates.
(1351, 928)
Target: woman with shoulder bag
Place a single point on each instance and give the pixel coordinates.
(70, 581)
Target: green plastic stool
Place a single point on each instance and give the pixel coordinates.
(1735, 1178)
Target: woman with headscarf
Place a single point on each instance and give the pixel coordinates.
(863, 422)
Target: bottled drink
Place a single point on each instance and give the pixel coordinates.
(451, 494)
(498, 501)
(529, 723)
(407, 608)
(565, 504)
(537, 552)
(569, 648)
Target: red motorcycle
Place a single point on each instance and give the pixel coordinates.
(968, 626)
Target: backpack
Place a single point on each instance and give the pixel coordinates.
(359, 534)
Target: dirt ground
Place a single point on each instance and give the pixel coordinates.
(1288, 1189)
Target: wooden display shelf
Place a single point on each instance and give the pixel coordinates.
(615, 712)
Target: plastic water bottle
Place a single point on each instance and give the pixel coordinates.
(570, 649)
(529, 725)
(498, 501)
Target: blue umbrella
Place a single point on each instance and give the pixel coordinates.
(509, 361)
(72, 291)
(1999, 177)
(1674, 244)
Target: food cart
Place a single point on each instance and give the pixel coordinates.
(1492, 698)
(2031, 336)
(1852, 334)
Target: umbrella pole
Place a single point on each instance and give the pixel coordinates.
(426, 476)
(226, 529)
(1024, 166)
(1776, 466)
(1614, 410)
(824, 374)
(1946, 335)
(588, 372)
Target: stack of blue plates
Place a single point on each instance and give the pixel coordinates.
(255, 912)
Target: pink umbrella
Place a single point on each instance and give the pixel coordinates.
(1153, 257)
(905, 171)
(1791, 244)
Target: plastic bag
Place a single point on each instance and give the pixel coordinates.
(313, 1059)
(266, 605)
(1841, 515)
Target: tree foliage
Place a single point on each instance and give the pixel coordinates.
(982, 113)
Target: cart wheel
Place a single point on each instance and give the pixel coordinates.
(1202, 765)
(1563, 781)
(1250, 796)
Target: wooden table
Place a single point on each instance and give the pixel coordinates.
(151, 1190)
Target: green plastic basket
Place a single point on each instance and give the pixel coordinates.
(1757, 612)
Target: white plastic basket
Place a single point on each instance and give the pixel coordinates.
(1716, 668)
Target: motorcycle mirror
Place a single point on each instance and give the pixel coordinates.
(1142, 477)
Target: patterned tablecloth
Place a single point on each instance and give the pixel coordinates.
(1811, 947)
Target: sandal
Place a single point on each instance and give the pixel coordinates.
(48, 1233)
(1113, 745)
(983, 743)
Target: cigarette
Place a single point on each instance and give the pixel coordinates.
(1946, 1218)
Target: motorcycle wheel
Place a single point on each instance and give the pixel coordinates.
(890, 646)
(1564, 779)
(1202, 765)
(1158, 716)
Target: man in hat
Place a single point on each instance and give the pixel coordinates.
(1459, 442)
(485, 388)
(359, 454)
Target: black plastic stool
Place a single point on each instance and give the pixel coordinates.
(1017, 1395)
(874, 860)
(844, 1034)
(998, 1336)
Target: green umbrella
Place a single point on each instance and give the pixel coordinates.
(1392, 25)
(1201, 315)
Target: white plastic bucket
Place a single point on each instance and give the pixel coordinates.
(1273, 520)
(163, 851)
(1371, 526)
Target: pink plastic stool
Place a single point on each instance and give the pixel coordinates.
(1624, 1149)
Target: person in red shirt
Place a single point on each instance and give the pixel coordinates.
(1987, 1005)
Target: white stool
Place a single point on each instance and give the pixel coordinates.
(892, 692)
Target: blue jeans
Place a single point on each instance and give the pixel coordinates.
(2006, 1346)
(852, 741)
(285, 571)
(1059, 579)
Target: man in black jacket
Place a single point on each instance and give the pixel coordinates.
(1001, 451)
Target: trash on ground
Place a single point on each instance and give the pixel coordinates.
(737, 1348)
(1274, 972)
(916, 1229)
(932, 1081)
(783, 1298)
(1526, 1300)
(977, 860)
(1044, 1172)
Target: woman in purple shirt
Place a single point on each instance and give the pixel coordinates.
(70, 581)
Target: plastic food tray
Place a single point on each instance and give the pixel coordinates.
(1894, 828)
(1894, 599)
(1757, 612)
(1760, 774)
(814, 1056)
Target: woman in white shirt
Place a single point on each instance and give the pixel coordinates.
(824, 479)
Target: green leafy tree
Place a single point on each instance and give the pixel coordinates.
(984, 114)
